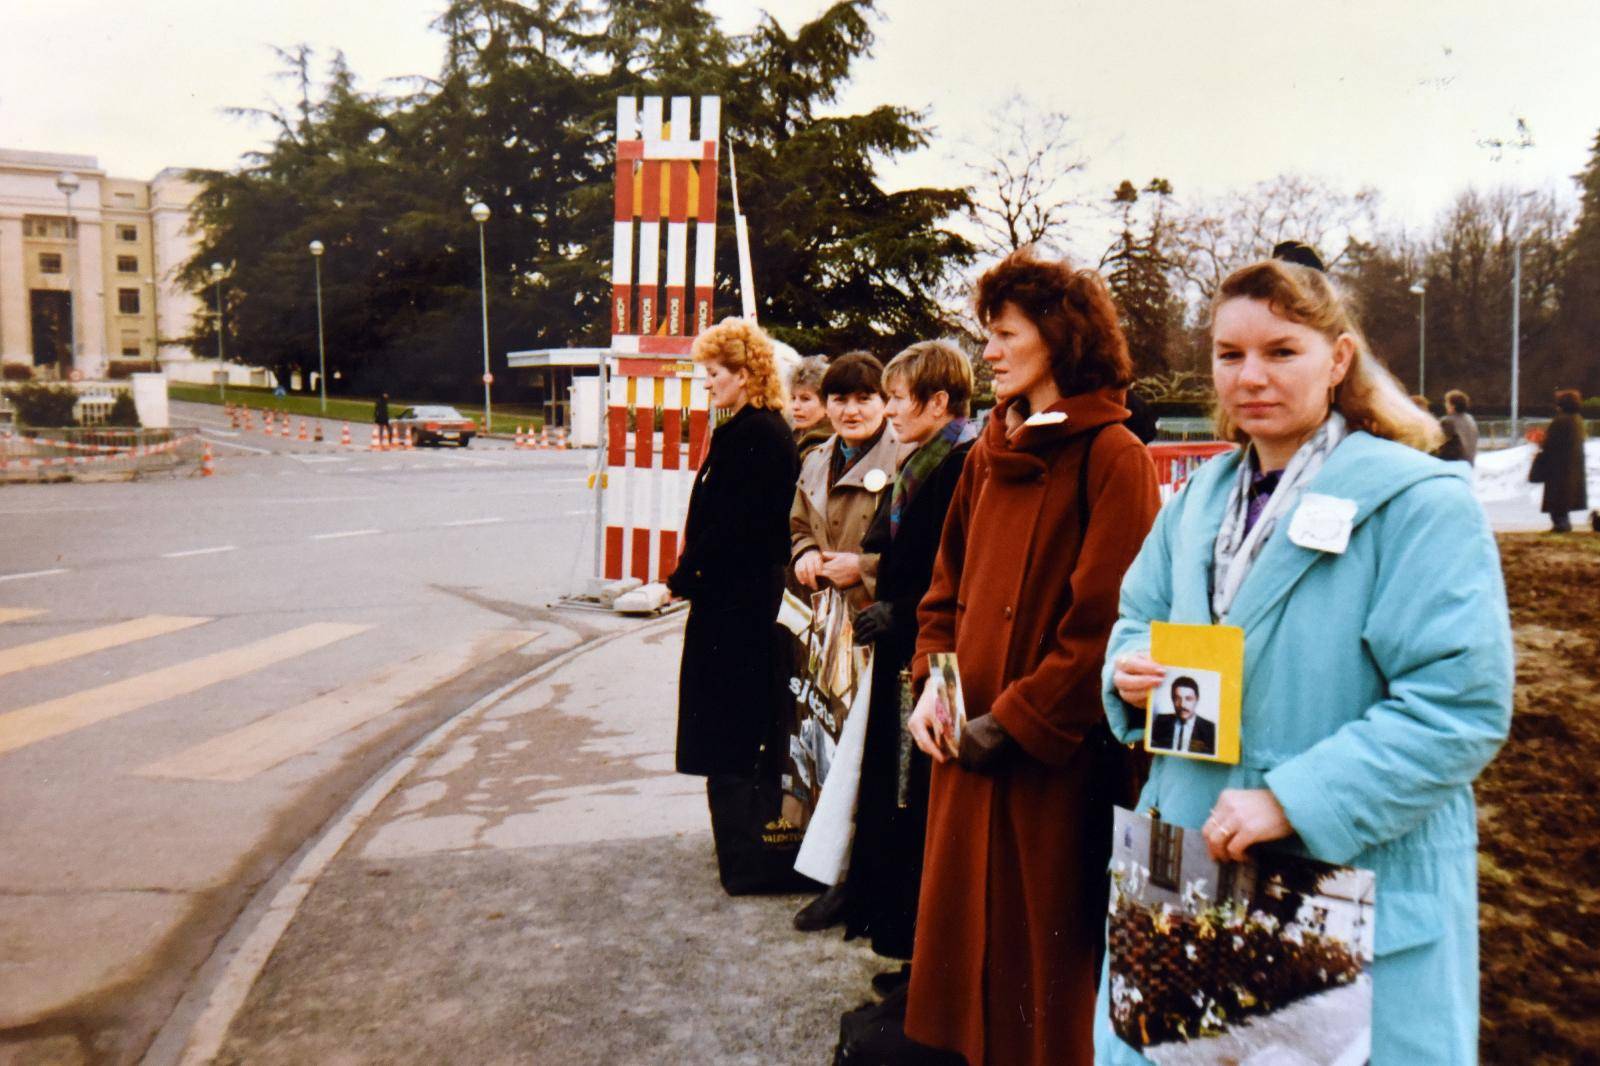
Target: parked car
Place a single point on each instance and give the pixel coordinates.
(437, 424)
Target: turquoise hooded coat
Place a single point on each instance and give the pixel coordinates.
(1377, 686)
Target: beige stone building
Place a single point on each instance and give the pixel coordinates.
(91, 277)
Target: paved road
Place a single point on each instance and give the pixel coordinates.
(195, 674)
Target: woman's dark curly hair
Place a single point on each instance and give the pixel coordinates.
(1073, 312)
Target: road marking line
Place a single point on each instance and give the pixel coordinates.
(17, 614)
(72, 645)
(320, 458)
(345, 533)
(243, 447)
(475, 522)
(263, 744)
(42, 721)
(200, 551)
(33, 573)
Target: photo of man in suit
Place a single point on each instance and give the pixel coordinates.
(1184, 729)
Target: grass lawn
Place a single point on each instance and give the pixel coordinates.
(347, 409)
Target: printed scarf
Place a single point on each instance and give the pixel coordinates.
(1239, 542)
(923, 462)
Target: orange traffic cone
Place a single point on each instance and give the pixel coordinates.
(286, 421)
(344, 436)
(561, 438)
(409, 445)
(303, 430)
(316, 432)
(374, 446)
(521, 441)
(206, 469)
(266, 422)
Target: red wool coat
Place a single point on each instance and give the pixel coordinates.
(1013, 896)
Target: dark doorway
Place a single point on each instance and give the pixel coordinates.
(52, 329)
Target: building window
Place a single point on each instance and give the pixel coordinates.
(127, 264)
(43, 226)
(49, 263)
(124, 197)
(1166, 855)
(130, 343)
(128, 301)
(127, 233)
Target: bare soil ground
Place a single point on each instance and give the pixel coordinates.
(1538, 820)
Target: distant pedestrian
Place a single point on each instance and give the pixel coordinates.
(1460, 429)
(1560, 463)
(380, 410)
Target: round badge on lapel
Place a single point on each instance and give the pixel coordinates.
(875, 480)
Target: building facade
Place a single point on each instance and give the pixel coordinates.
(89, 263)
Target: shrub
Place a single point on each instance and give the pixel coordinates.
(123, 369)
(43, 405)
(123, 412)
(16, 372)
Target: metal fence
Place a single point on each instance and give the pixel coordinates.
(96, 453)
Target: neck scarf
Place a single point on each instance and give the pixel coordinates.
(1240, 541)
(923, 462)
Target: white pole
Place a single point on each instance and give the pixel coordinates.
(322, 351)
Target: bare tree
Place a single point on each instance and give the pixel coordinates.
(1214, 237)
(1024, 188)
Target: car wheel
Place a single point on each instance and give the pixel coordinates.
(465, 441)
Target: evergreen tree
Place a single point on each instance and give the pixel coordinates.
(1579, 287)
(1138, 273)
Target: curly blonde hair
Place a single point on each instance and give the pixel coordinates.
(1369, 397)
(738, 344)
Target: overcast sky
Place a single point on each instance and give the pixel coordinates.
(1208, 95)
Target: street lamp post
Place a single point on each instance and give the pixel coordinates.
(222, 381)
(1420, 290)
(322, 355)
(480, 215)
(67, 183)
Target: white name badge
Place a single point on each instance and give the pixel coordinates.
(1322, 523)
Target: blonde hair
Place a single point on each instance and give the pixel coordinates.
(930, 367)
(1369, 397)
(738, 344)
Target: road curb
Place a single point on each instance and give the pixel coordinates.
(268, 915)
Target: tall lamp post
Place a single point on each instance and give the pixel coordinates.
(67, 183)
(1420, 290)
(480, 215)
(322, 354)
(222, 370)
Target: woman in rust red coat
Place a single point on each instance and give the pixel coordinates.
(1053, 504)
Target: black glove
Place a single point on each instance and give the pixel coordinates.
(984, 746)
(874, 622)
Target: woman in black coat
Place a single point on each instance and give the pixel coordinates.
(1561, 463)
(735, 548)
(929, 385)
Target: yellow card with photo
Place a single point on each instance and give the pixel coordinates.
(1194, 712)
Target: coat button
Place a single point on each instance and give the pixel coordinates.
(1008, 610)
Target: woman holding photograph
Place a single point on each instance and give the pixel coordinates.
(1052, 504)
(929, 386)
(1377, 666)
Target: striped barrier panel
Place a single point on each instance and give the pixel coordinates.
(650, 471)
(1176, 461)
(658, 412)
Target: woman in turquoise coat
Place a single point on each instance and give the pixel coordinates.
(1378, 669)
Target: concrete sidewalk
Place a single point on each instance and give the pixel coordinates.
(536, 886)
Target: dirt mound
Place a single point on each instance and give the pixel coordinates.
(1540, 833)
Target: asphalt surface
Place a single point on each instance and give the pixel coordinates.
(197, 673)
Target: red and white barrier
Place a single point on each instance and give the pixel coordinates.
(648, 476)
(1175, 461)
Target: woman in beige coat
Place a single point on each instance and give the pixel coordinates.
(842, 482)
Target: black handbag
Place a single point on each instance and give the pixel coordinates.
(756, 847)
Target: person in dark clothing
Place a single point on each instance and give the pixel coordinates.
(930, 387)
(1560, 463)
(1142, 420)
(380, 410)
(735, 546)
(1460, 429)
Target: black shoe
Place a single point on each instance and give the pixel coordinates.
(886, 982)
(821, 913)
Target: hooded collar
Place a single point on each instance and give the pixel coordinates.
(1367, 470)
(1016, 445)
